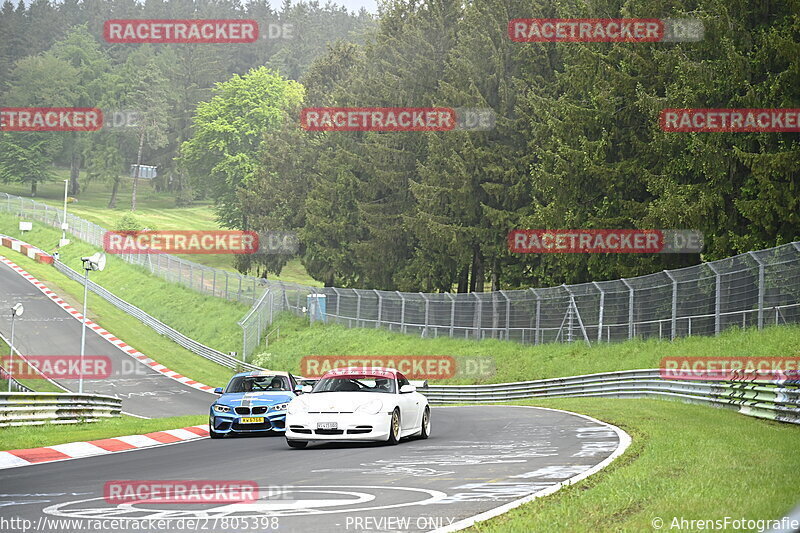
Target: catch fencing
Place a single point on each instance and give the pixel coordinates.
(34, 408)
(752, 289)
(774, 400)
(156, 325)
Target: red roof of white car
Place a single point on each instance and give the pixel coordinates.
(377, 371)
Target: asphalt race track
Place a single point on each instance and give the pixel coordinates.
(47, 329)
(477, 459)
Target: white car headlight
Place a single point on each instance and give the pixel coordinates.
(372, 407)
(279, 407)
(297, 407)
(221, 408)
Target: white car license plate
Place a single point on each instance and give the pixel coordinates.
(327, 425)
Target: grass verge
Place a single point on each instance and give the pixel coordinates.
(126, 327)
(686, 460)
(18, 437)
(514, 361)
(154, 209)
(169, 302)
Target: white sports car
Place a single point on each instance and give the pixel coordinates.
(358, 404)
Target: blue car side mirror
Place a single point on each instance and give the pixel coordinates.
(218, 390)
(298, 390)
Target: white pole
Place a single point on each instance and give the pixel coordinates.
(11, 358)
(64, 222)
(83, 328)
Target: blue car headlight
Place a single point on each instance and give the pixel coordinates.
(221, 408)
(279, 407)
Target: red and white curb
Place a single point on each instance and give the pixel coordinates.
(31, 251)
(76, 450)
(129, 350)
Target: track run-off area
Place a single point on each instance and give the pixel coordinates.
(479, 461)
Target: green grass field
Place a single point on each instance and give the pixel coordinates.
(155, 210)
(513, 361)
(134, 332)
(216, 326)
(686, 460)
(19, 437)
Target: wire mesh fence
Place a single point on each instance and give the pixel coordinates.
(751, 289)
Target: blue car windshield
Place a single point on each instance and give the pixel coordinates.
(355, 384)
(258, 383)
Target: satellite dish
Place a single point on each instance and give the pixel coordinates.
(95, 262)
(17, 310)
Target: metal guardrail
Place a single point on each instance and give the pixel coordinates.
(16, 385)
(155, 324)
(35, 408)
(774, 400)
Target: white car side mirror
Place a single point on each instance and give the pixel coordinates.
(407, 388)
(307, 389)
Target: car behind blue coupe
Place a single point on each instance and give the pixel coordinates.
(253, 402)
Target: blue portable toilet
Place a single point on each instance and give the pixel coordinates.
(317, 307)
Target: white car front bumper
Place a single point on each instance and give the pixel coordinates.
(349, 426)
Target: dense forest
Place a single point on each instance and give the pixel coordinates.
(53, 54)
(576, 144)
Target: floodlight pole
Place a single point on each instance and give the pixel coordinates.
(17, 309)
(11, 357)
(64, 221)
(83, 323)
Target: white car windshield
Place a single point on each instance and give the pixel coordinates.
(258, 383)
(356, 384)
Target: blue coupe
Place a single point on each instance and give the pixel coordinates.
(253, 402)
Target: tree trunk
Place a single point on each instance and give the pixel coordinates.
(112, 203)
(34, 185)
(495, 275)
(138, 170)
(74, 173)
(463, 279)
(476, 282)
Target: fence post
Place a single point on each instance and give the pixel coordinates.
(402, 312)
(358, 307)
(338, 297)
(674, 321)
(538, 314)
(717, 299)
(600, 312)
(760, 288)
(380, 304)
(508, 314)
(478, 316)
(425, 329)
(630, 308)
(452, 312)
